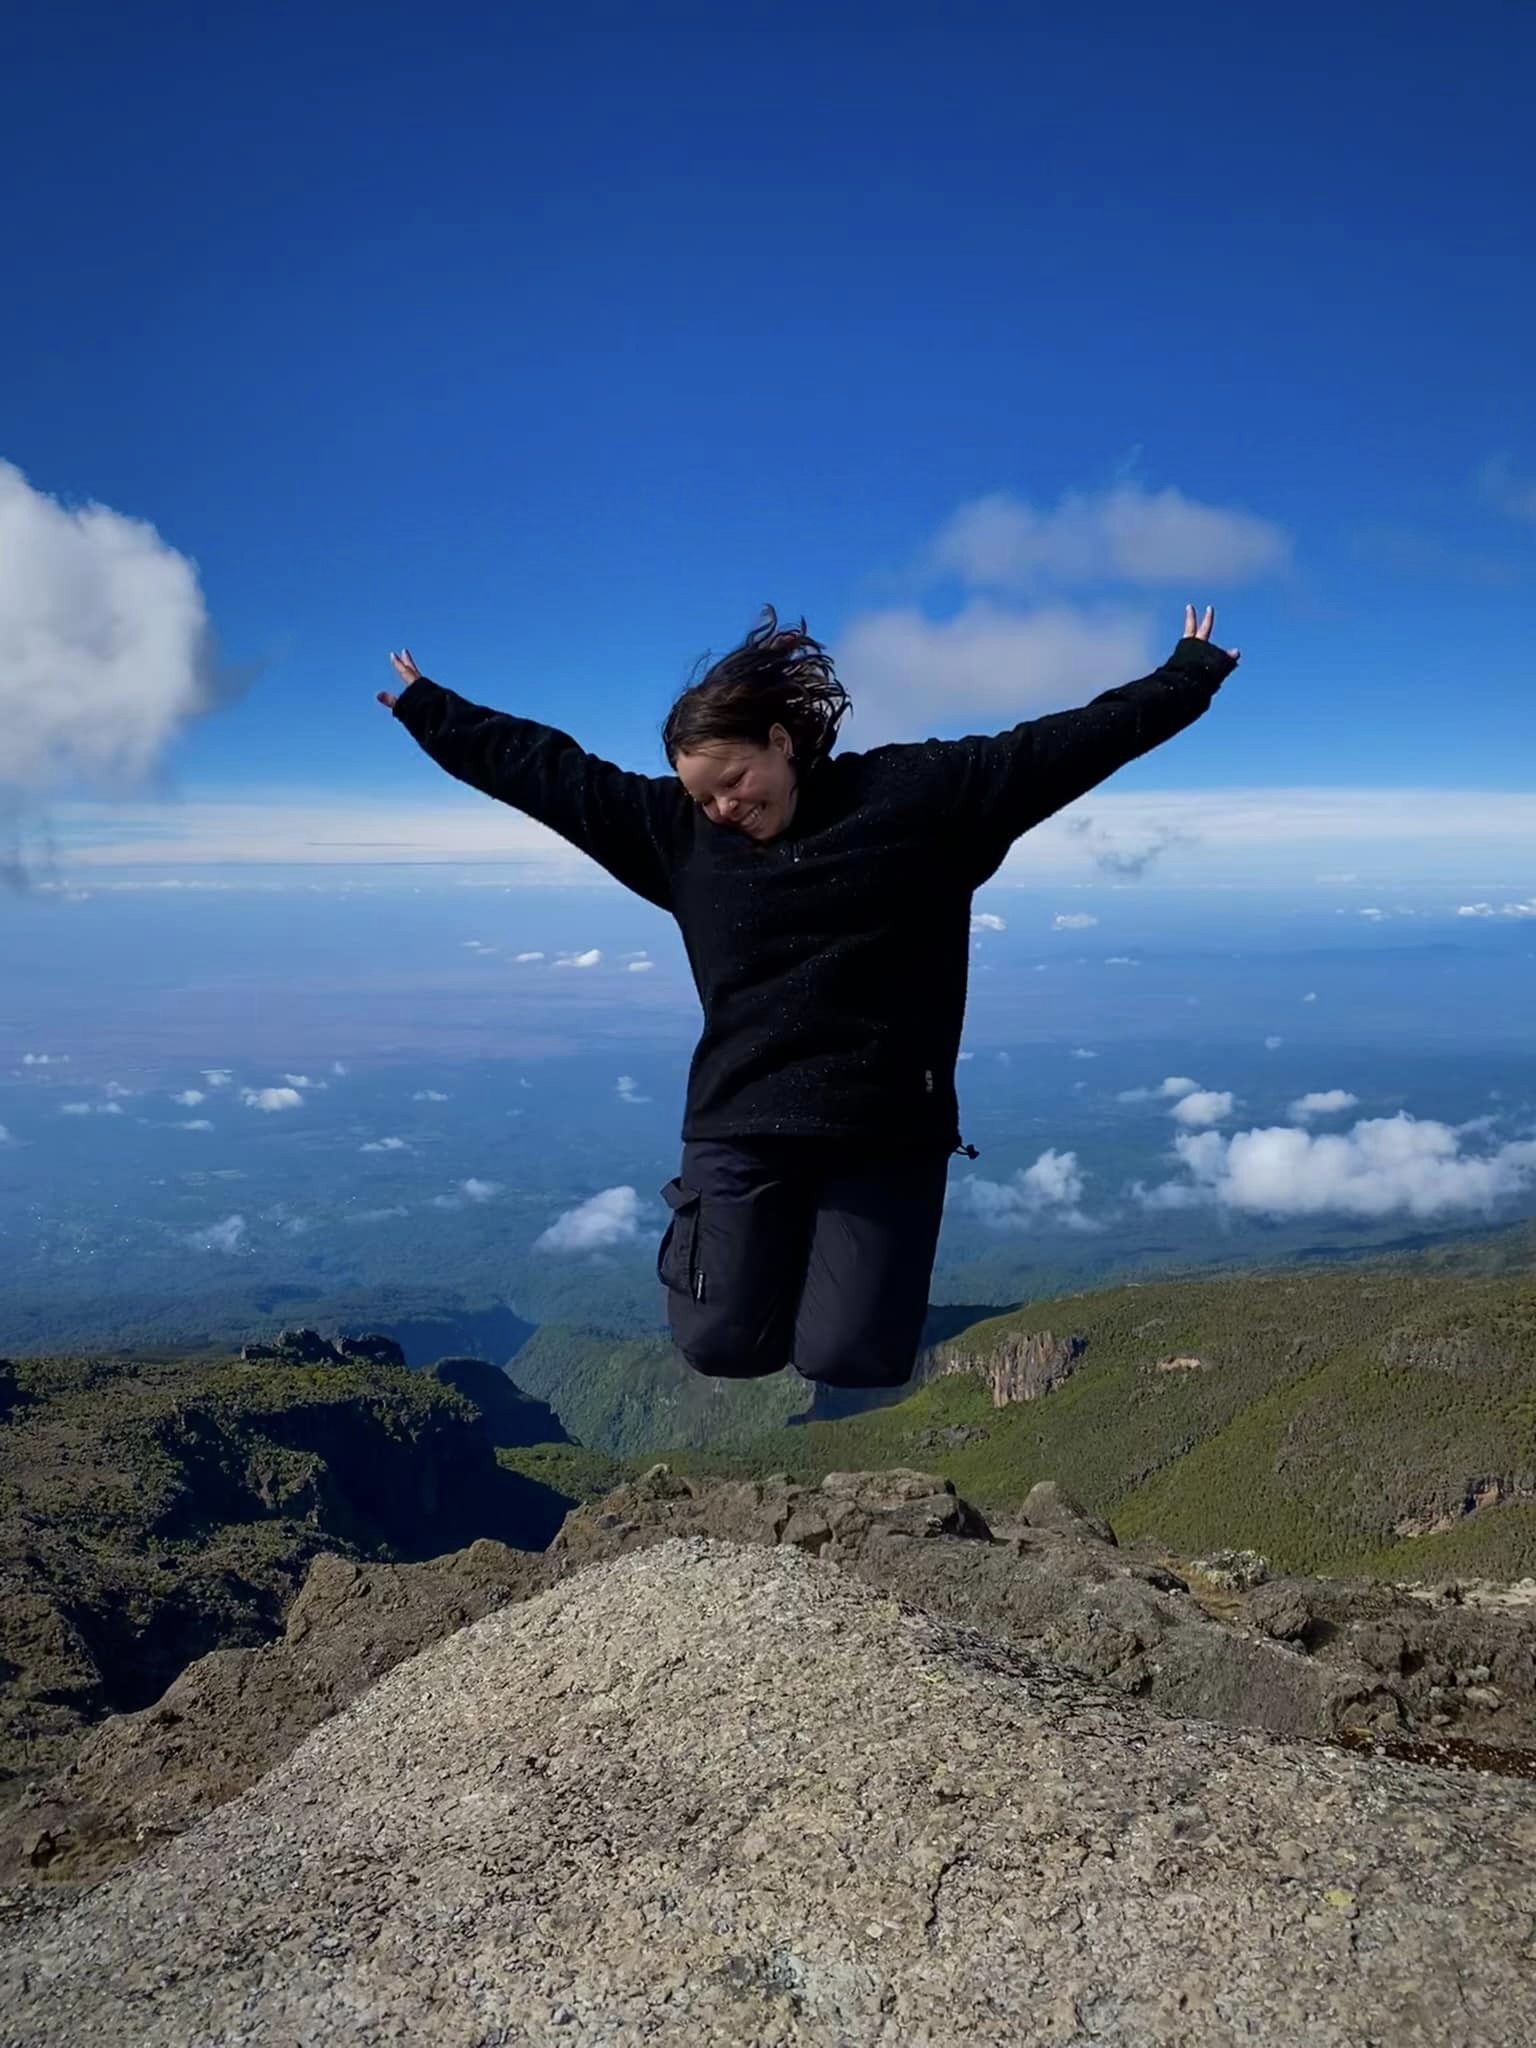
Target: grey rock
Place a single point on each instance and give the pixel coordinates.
(711, 1794)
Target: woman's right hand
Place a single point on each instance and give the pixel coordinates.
(405, 668)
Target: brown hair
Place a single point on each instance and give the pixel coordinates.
(775, 677)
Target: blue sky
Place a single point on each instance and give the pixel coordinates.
(555, 351)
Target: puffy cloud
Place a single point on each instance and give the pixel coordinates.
(606, 1219)
(1125, 851)
(1321, 1102)
(385, 1145)
(91, 1108)
(588, 959)
(194, 1123)
(1072, 921)
(429, 1095)
(1169, 1090)
(75, 1108)
(5, 1136)
(1272, 1043)
(1125, 533)
(271, 1098)
(1310, 996)
(988, 921)
(228, 1236)
(629, 1091)
(1525, 908)
(45, 1059)
(189, 1098)
(1051, 1190)
(108, 649)
(303, 1081)
(640, 966)
(1082, 1052)
(1205, 1106)
(116, 1089)
(1384, 1166)
(217, 1077)
(521, 957)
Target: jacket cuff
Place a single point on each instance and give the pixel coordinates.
(415, 704)
(1198, 658)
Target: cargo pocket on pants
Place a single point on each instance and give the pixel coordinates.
(677, 1259)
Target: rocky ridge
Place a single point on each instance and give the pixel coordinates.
(1324, 1660)
(708, 1793)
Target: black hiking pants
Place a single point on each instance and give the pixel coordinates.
(809, 1252)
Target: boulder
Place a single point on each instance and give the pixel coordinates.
(710, 1793)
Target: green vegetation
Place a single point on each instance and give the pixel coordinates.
(1329, 1406)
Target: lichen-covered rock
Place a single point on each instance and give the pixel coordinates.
(710, 1794)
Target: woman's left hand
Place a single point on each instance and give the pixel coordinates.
(1203, 630)
(406, 669)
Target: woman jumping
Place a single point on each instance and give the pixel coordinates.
(824, 902)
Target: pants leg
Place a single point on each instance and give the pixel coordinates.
(733, 1255)
(872, 1247)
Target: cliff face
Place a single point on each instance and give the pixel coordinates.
(1021, 1367)
(717, 1793)
(154, 1512)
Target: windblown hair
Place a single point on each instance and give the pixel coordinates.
(775, 677)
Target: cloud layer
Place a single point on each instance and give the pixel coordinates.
(108, 650)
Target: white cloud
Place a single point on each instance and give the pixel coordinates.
(116, 1089)
(1310, 996)
(108, 651)
(588, 959)
(479, 1190)
(378, 1215)
(1272, 1043)
(1051, 1189)
(628, 1090)
(521, 957)
(271, 1098)
(228, 1236)
(303, 1081)
(987, 921)
(1384, 1166)
(338, 1066)
(194, 1123)
(189, 1098)
(429, 1095)
(1168, 1091)
(640, 966)
(1125, 534)
(45, 1059)
(1321, 1102)
(385, 1145)
(1082, 1052)
(91, 1108)
(1121, 960)
(611, 1217)
(1527, 908)
(217, 1077)
(1072, 921)
(75, 1108)
(5, 1136)
(1205, 1106)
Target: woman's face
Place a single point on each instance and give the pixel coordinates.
(749, 788)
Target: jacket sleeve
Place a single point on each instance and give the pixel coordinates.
(630, 824)
(996, 786)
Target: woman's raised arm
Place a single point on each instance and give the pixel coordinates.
(632, 825)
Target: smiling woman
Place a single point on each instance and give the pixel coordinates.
(824, 901)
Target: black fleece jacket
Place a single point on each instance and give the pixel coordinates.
(830, 961)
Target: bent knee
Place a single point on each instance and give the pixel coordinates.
(848, 1366)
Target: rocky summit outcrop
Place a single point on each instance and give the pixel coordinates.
(1336, 1661)
(717, 1794)
(1022, 1366)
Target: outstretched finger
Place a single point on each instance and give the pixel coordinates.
(1189, 621)
(385, 698)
